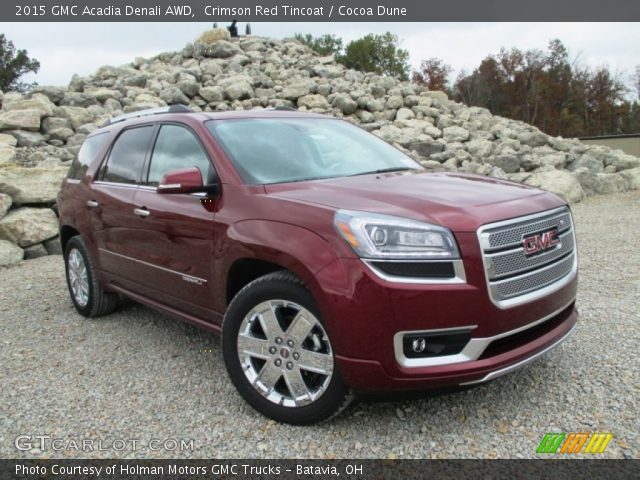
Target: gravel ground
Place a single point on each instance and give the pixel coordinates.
(140, 375)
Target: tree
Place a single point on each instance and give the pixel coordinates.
(13, 64)
(324, 45)
(377, 53)
(433, 74)
(546, 89)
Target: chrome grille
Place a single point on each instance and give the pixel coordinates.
(513, 277)
(512, 236)
(514, 261)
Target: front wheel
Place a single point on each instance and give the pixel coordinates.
(278, 353)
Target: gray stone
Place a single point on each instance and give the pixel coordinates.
(296, 90)
(7, 140)
(560, 182)
(173, 95)
(221, 49)
(35, 251)
(480, 148)
(5, 204)
(587, 161)
(599, 183)
(28, 139)
(20, 119)
(10, 254)
(404, 114)
(345, 104)
(631, 178)
(212, 94)
(394, 102)
(239, 90)
(37, 101)
(313, 101)
(7, 155)
(76, 115)
(426, 149)
(28, 226)
(53, 246)
(32, 185)
(455, 134)
(507, 163)
(533, 139)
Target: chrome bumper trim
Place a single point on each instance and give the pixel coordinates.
(472, 351)
(521, 363)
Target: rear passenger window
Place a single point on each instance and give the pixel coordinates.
(127, 156)
(85, 156)
(176, 147)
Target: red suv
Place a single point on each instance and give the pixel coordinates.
(330, 261)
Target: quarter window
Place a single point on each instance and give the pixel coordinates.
(176, 147)
(127, 156)
(85, 156)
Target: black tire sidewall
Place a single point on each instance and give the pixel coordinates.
(77, 244)
(255, 293)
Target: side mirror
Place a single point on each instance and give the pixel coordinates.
(185, 180)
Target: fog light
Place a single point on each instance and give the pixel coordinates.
(418, 345)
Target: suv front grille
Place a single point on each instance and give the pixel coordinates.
(514, 277)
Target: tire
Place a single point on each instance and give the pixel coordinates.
(86, 293)
(267, 359)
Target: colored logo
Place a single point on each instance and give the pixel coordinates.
(574, 443)
(540, 241)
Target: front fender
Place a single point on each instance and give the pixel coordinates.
(295, 248)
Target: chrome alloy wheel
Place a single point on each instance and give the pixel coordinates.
(78, 278)
(285, 353)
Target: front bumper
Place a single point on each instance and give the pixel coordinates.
(364, 313)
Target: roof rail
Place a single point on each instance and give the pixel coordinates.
(149, 111)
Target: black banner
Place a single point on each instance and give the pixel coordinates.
(317, 469)
(317, 10)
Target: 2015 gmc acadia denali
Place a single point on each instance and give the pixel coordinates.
(330, 262)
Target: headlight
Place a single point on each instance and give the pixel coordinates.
(372, 235)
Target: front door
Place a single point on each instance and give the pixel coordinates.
(174, 232)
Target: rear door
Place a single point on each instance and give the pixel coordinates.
(111, 203)
(174, 232)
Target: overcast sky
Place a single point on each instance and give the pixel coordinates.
(67, 48)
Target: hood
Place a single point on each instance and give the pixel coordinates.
(457, 201)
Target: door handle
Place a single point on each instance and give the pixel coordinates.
(92, 203)
(141, 212)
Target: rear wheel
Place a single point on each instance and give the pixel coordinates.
(278, 353)
(86, 292)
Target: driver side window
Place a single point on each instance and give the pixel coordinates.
(176, 147)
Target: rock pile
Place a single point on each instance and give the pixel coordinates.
(41, 132)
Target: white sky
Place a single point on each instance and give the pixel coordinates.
(67, 48)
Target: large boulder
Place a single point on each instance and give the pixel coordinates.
(213, 36)
(7, 155)
(10, 254)
(313, 101)
(77, 116)
(455, 134)
(21, 119)
(631, 178)
(7, 140)
(35, 185)
(599, 183)
(212, 94)
(5, 204)
(344, 103)
(173, 95)
(38, 102)
(559, 182)
(27, 226)
(221, 49)
(296, 89)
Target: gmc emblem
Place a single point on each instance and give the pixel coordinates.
(540, 241)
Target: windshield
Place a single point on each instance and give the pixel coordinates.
(294, 149)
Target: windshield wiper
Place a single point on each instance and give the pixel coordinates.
(384, 170)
